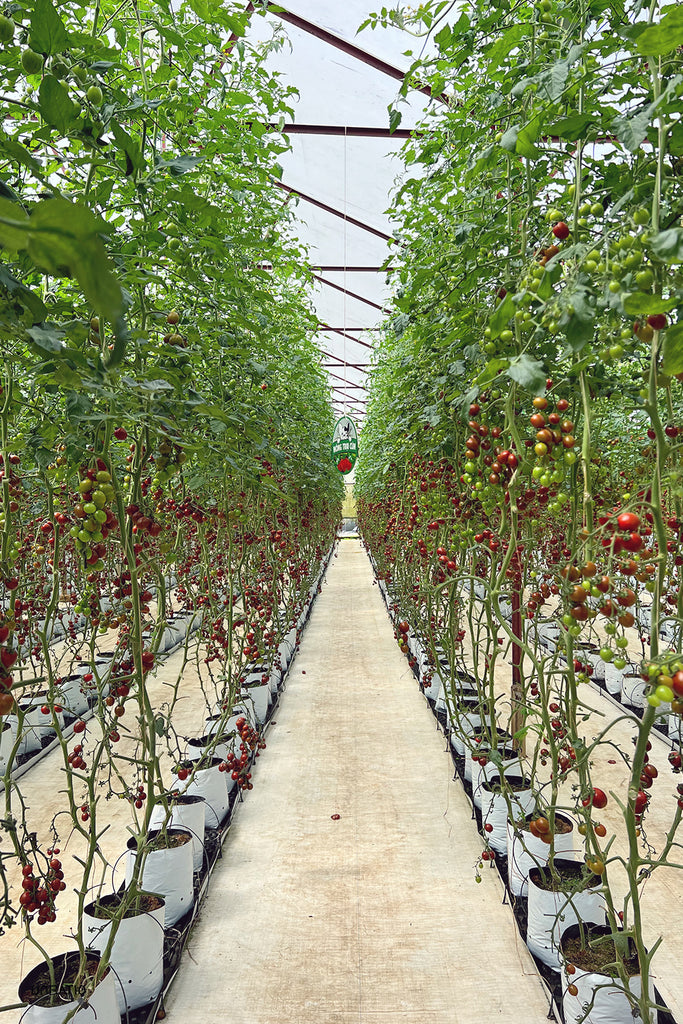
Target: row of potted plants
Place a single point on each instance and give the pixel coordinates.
(556, 883)
(122, 964)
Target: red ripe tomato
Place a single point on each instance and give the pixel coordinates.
(598, 799)
(657, 321)
(561, 230)
(677, 683)
(640, 802)
(628, 521)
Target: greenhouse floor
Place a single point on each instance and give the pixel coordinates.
(347, 892)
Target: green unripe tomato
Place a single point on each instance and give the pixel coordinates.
(506, 337)
(620, 663)
(597, 209)
(80, 73)
(606, 654)
(641, 216)
(665, 694)
(645, 279)
(622, 641)
(94, 95)
(6, 29)
(31, 62)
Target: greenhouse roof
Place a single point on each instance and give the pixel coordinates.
(342, 168)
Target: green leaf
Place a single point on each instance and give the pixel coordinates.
(528, 372)
(526, 139)
(491, 370)
(555, 81)
(32, 302)
(675, 145)
(13, 222)
(179, 165)
(394, 118)
(48, 338)
(668, 245)
(134, 158)
(501, 317)
(64, 238)
(573, 127)
(663, 38)
(15, 151)
(509, 140)
(672, 350)
(642, 304)
(55, 105)
(48, 34)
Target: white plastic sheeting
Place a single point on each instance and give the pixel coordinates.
(342, 180)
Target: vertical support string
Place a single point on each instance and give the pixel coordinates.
(346, 389)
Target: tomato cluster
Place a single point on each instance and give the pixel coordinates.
(39, 892)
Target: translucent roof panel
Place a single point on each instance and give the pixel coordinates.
(342, 168)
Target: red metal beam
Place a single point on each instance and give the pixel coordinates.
(335, 213)
(353, 270)
(340, 362)
(338, 330)
(352, 295)
(347, 131)
(349, 48)
(351, 398)
(343, 362)
(354, 387)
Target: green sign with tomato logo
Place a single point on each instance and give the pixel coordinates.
(345, 444)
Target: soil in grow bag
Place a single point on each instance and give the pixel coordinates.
(600, 958)
(106, 908)
(512, 783)
(562, 826)
(564, 878)
(169, 841)
(39, 992)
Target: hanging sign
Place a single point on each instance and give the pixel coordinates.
(345, 444)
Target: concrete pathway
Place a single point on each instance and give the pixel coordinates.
(374, 917)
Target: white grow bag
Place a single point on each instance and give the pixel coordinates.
(167, 872)
(187, 812)
(137, 955)
(526, 851)
(551, 913)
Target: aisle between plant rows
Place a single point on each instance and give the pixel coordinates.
(348, 889)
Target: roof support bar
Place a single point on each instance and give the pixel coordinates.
(335, 213)
(349, 48)
(352, 295)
